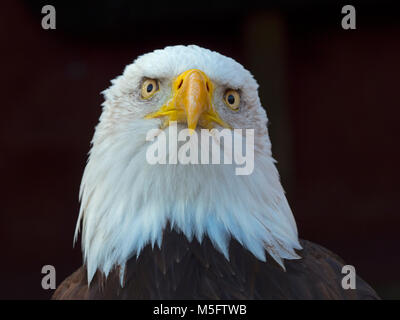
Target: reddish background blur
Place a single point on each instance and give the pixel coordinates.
(332, 96)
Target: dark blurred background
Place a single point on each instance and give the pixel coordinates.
(332, 96)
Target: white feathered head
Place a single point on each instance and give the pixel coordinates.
(126, 202)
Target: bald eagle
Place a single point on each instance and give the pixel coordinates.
(190, 231)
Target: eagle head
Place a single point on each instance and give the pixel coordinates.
(127, 203)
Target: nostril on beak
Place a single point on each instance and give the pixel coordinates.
(180, 84)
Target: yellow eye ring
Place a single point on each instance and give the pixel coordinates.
(232, 99)
(149, 87)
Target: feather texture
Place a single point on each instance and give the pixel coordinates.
(190, 270)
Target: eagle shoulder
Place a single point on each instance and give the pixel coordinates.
(73, 287)
(321, 272)
(181, 269)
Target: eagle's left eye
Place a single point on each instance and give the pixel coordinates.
(149, 87)
(232, 99)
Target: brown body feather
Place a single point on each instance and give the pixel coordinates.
(188, 270)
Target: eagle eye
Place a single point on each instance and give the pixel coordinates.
(232, 99)
(149, 87)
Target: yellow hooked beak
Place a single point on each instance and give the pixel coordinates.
(191, 102)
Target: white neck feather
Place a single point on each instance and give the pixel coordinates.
(126, 203)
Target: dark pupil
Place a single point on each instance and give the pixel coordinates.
(150, 88)
(231, 99)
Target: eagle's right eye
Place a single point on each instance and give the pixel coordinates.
(149, 87)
